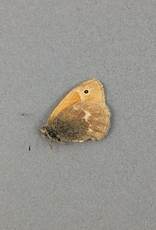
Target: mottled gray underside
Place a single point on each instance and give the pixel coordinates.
(72, 125)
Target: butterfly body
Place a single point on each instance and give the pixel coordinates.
(81, 115)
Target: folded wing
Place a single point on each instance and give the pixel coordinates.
(82, 121)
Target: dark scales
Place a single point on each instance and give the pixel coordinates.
(69, 128)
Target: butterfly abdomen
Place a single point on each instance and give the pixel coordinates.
(81, 115)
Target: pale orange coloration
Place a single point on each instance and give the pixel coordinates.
(76, 94)
(81, 115)
(68, 100)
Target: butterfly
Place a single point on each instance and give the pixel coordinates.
(81, 115)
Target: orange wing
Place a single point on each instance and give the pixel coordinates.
(95, 92)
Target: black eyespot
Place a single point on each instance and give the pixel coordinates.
(86, 91)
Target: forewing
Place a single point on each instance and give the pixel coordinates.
(96, 92)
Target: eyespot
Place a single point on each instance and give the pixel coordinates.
(86, 91)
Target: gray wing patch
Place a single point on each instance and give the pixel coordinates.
(82, 121)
